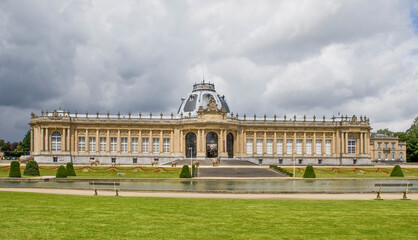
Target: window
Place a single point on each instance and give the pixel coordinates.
(113, 160)
(249, 146)
(113, 144)
(379, 156)
(298, 146)
(56, 141)
(269, 146)
(145, 145)
(300, 161)
(354, 161)
(54, 159)
(259, 146)
(81, 144)
(400, 147)
(351, 145)
(379, 147)
(280, 161)
(401, 156)
(319, 161)
(134, 145)
(102, 144)
(393, 156)
(386, 156)
(328, 147)
(166, 146)
(155, 145)
(124, 145)
(393, 146)
(92, 144)
(279, 147)
(134, 160)
(308, 146)
(318, 147)
(289, 146)
(386, 146)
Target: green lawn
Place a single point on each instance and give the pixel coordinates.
(361, 172)
(106, 172)
(48, 216)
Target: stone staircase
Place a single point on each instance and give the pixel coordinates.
(208, 162)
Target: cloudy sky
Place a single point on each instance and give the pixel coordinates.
(275, 57)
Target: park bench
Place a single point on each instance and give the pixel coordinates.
(381, 185)
(106, 186)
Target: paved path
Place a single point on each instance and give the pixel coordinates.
(296, 196)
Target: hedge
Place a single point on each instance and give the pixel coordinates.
(282, 170)
(185, 172)
(31, 169)
(70, 169)
(14, 169)
(397, 172)
(61, 172)
(309, 172)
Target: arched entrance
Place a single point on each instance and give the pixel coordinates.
(190, 145)
(230, 145)
(212, 145)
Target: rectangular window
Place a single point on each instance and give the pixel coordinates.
(134, 145)
(280, 161)
(102, 144)
(81, 144)
(379, 156)
(393, 146)
(289, 147)
(134, 160)
(54, 159)
(113, 144)
(308, 146)
(401, 156)
(166, 146)
(269, 146)
(351, 145)
(328, 147)
(393, 156)
(155, 145)
(386, 146)
(400, 147)
(259, 146)
(92, 144)
(145, 145)
(279, 147)
(249, 146)
(318, 146)
(124, 145)
(113, 160)
(378, 146)
(299, 147)
(386, 156)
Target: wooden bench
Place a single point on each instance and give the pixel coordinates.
(114, 184)
(406, 185)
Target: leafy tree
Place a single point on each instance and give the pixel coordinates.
(70, 169)
(26, 142)
(385, 131)
(185, 172)
(412, 142)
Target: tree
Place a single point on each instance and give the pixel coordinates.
(61, 172)
(412, 142)
(396, 172)
(185, 172)
(31, 169)
(309, 172)
(26, 142)
(70, 169)
(385, 131)
(14, 169)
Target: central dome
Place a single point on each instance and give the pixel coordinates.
(200, 96)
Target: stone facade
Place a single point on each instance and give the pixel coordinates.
(387, 149)
(209, 132)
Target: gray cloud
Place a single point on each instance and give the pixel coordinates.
(273, 57)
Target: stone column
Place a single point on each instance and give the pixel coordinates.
(161, 141)
(265, 143)
(181, 142)
(313, 145)
(76, 141)
(304, 144)
(171, 142)
(255, 143)
(97, 140)
(129, 142)
(284, 144)
(244, 136)
(275, 143)
(140, 141)
(333, 150)
(361, 143)
(323, 144)
(346, 142)
(63, 140)
(47, 139)
(294, 143)
(150, 142)
(43, 139)
(108, 141)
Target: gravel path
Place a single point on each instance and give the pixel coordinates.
(301, 196)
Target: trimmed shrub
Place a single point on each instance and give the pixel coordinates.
(32, 169)
(397, 172)
(309, 172)
(193, 170)
(61, 173)
(185, 172)
(70, 169)
(14, 169)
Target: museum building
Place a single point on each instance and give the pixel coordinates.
(203, 127)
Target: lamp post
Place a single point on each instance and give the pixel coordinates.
(191, 163)
(294, 162)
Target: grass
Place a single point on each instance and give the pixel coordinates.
(363, 172)
(48, 216)
(106, 172)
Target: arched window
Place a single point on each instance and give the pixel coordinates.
(351, 145)
(56, 141)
